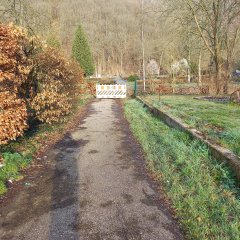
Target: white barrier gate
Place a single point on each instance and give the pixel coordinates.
(111, 91)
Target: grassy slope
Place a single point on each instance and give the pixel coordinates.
(220, 122)
(19, 154)
(202, 191)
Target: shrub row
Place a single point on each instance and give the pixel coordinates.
(36, 82)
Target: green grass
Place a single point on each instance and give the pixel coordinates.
(219, 122)
(18, 154)
(203, 192)
(14, 162)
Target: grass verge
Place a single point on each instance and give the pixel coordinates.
(219, 122)
(19, 154)
(203, 192)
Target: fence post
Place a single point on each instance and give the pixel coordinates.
(135, 88)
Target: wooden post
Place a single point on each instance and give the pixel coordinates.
(159, 92)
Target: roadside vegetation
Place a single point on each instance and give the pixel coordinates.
(218, 122)
(203, 192)
(40, 89)
(19, 154)
(133, 78)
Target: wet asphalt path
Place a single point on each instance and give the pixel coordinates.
(95, 187)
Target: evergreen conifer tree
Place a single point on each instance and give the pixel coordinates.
(82, 53)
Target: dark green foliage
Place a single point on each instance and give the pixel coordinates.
(133, 78)
(82, 53)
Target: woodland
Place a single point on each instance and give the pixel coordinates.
(114, 29)
(203, 32)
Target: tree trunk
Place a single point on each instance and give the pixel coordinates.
(97, 67)
(143, 49)
(218, 73)
(189, 58)
(225, 87)
(160, 64)
(227, 79)
(218, 80)
(189, 75)
(200, 69)
(121, 64)
(173, 81)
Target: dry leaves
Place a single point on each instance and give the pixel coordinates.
(58, 83)
(33, 79)
(13, 117)
(14, 65)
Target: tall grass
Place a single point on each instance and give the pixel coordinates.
(203, 192)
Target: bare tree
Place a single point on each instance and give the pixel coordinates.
(216, 22)
(169, 30)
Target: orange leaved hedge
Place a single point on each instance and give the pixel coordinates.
(13, 117)
(35, 82)
(14, 70)
(14, 62)
(58, 83)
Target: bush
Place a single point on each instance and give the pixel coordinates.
(14, 70)
(13, 117)
(133, 78)
(35, 82)
(57, 84)
(14, 65)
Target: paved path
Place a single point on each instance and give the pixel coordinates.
(94, 188)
